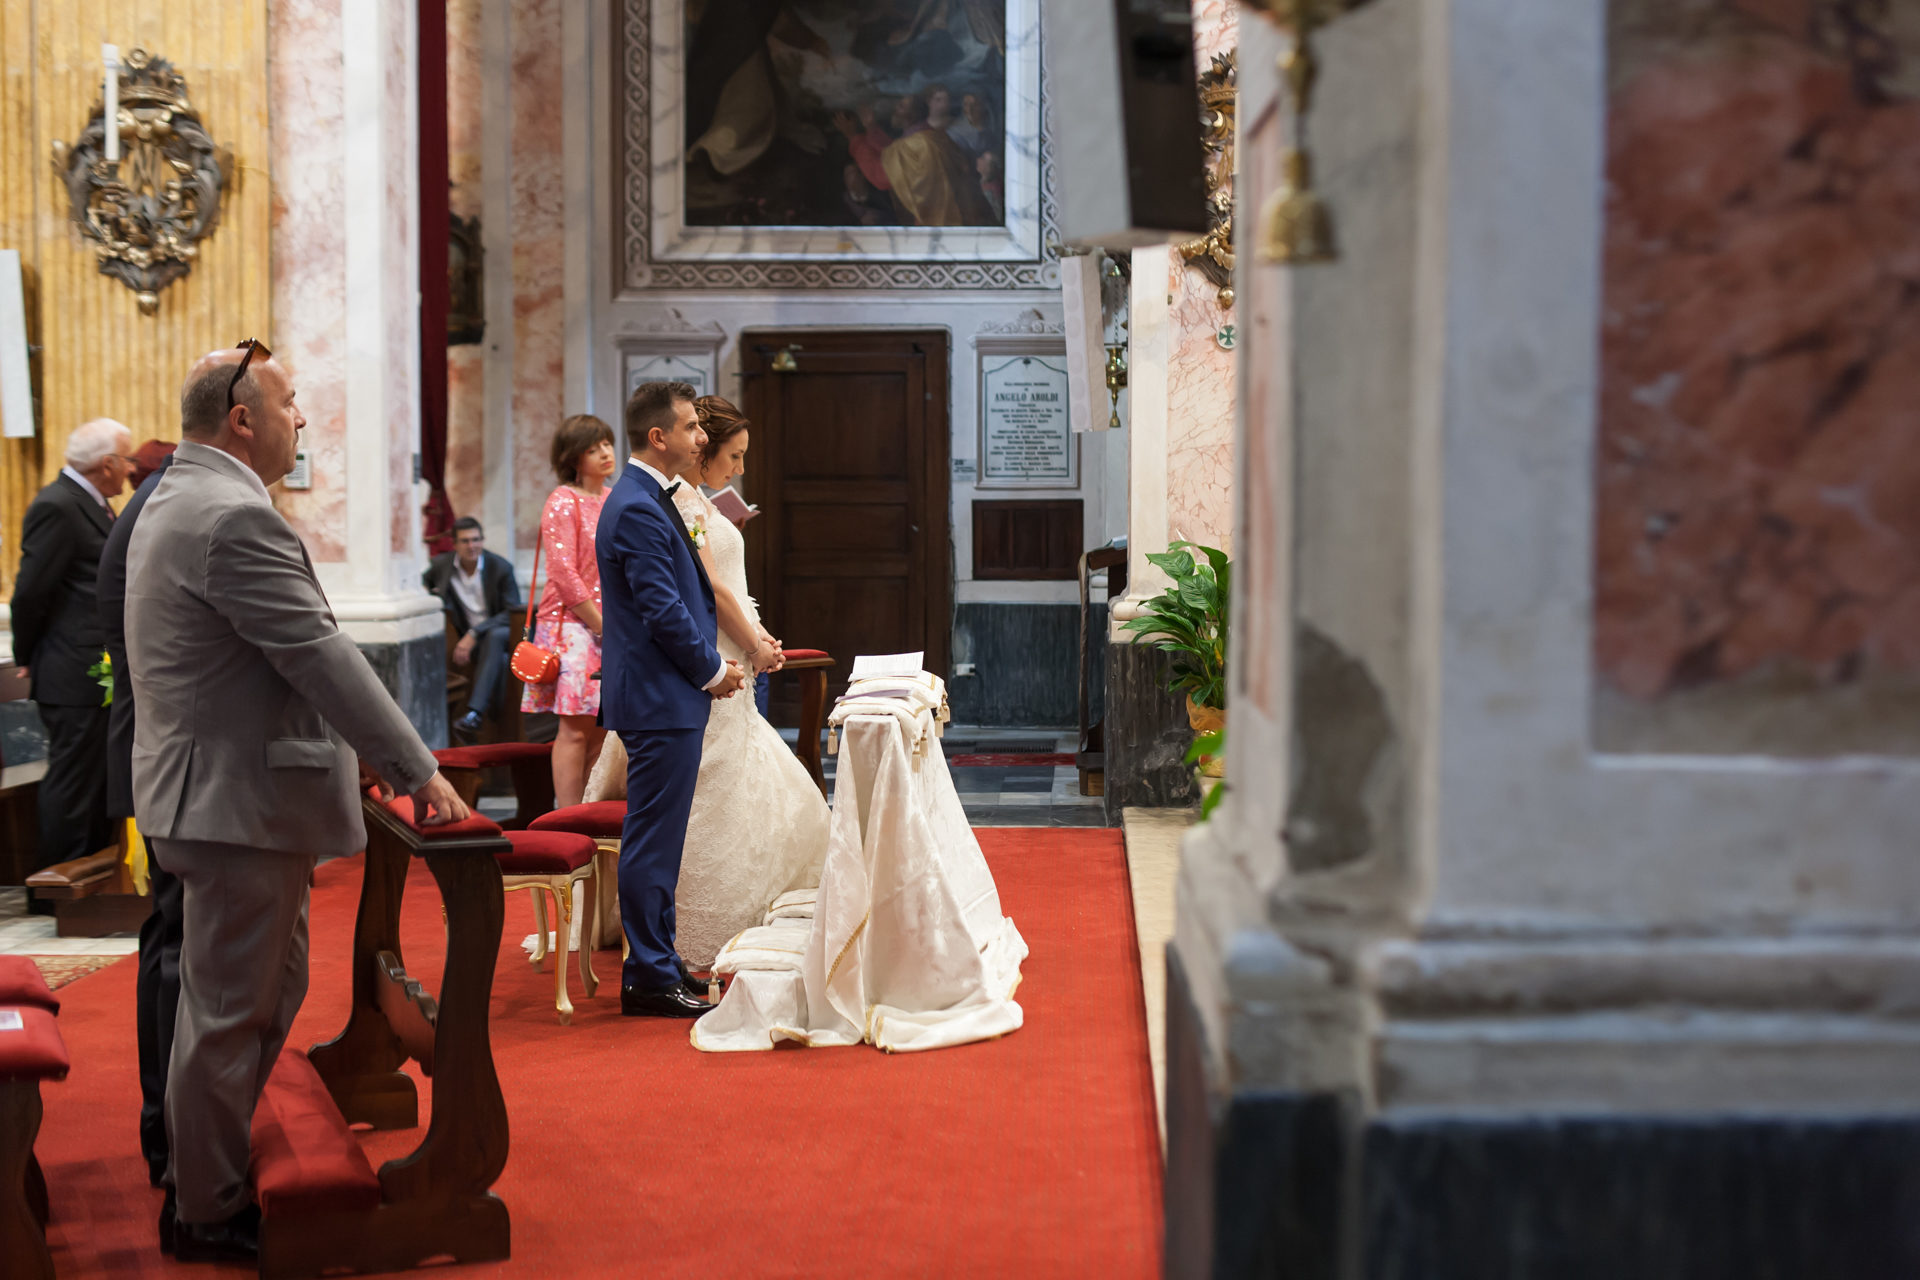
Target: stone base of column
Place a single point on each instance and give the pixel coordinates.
(1310, 1186)
(404, 637)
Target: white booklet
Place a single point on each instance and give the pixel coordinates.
(896, 666)
(730, 504)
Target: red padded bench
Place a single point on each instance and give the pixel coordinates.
(31, 1050)
(530, 763)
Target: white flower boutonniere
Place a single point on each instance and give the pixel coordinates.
(697, 535)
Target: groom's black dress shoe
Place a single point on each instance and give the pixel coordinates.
(673, 1001)
(235, 1240)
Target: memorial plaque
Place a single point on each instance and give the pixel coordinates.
(1026, 439)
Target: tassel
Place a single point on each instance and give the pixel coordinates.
(833, 742)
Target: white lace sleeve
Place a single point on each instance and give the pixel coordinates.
(694, 507)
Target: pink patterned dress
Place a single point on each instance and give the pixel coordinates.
(573, 575)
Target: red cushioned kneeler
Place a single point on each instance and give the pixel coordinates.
(305, 1158)
(33, 1051)
(801, 655)
(22, 983)
(546, 853)
(474, 825)
(487, 755)
(600, 819)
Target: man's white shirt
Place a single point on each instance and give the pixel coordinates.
(469, 589)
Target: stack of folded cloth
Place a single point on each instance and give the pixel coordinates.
(919, 703)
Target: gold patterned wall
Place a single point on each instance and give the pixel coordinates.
(99, 357)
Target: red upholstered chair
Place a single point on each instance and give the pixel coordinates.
(552, 862)
(530, 762)
(31, 1050)
(811, 667)
(599, 821)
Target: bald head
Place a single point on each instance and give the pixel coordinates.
(203, 396)
(258, 424)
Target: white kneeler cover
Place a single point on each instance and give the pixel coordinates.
(907, 948)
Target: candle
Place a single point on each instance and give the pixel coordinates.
(111, 57)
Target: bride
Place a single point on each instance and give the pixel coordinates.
(759, 826)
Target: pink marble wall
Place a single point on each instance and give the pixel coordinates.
(402, 276)
(1759, 484)
(1200, 378)
(539, 253)
(466, 368)
(306, 80)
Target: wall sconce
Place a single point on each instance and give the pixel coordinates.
(1212, 254)
(783, 361)
(1295, 224)
(1116, 380)
(147, 225)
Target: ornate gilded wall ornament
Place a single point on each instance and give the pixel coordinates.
(1295, 225)
(1212, 254)
(148, 212)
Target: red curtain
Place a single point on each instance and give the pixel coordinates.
(434, 299)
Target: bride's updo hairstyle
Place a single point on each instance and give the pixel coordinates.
(576, 436)
(721, 421)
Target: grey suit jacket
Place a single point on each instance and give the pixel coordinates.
(249, 695)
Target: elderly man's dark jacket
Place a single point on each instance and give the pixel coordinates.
(56, 624)
(497, 588)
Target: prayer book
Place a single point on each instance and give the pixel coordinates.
(894, 666)
(730, 504)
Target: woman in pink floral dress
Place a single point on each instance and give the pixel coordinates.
(567, 623)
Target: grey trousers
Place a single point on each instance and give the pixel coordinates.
(243, 974)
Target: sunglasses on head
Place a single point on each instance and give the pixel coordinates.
(253, 347)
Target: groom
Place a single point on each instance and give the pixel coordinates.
(659, 674)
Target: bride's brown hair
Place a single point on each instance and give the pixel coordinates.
(720, 420)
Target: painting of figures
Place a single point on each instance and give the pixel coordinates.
(845, 113)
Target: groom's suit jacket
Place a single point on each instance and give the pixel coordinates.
(659, 627)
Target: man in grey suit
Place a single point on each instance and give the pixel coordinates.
(252, 705)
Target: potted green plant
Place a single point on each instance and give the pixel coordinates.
(1189, 621)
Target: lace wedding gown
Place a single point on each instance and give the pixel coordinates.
(759, 825)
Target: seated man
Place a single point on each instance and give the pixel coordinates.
(481, 596)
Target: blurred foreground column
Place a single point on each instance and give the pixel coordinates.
(1461, 985)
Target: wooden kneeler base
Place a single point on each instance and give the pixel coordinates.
(435, 1203)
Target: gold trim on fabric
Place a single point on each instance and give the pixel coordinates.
(851, 938)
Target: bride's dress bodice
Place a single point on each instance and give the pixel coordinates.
(727, 548)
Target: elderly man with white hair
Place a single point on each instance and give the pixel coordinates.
(57, 636)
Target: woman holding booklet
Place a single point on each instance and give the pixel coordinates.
(758, 826)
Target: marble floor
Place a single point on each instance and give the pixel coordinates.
(24, 934)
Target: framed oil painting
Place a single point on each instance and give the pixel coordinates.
(888, 130)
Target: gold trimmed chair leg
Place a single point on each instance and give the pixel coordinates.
(589, 927)
(539, 924)
(562, 891)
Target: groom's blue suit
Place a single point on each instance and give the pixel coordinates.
(657, 655)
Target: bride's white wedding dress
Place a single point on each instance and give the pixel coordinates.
(759, 824)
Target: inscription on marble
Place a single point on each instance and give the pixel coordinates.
(1026, 440)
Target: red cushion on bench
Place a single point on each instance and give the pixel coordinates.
(487, 755)
(600, 819)
(305, 1158)
(33, 1050)
(792, 654)
(546, 853)
(476, 824)
(22, 983)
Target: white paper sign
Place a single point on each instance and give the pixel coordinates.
(16, 374)
(1026, 440)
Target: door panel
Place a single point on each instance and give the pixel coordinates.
(849, 466)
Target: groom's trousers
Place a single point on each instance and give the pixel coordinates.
(662, 767)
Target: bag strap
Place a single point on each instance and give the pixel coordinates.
(533, 584)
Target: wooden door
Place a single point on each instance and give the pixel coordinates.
(849, 462)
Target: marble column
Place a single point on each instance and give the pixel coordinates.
(346, 273)
(1458, 988)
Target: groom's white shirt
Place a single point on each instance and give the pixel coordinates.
(660, 479)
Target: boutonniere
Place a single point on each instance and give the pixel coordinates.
(697, 535)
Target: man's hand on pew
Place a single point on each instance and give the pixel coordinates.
(370, 779)
(438, 803)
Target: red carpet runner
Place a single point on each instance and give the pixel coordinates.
(634, 1155)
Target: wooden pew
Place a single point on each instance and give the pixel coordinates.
(435, 1202)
